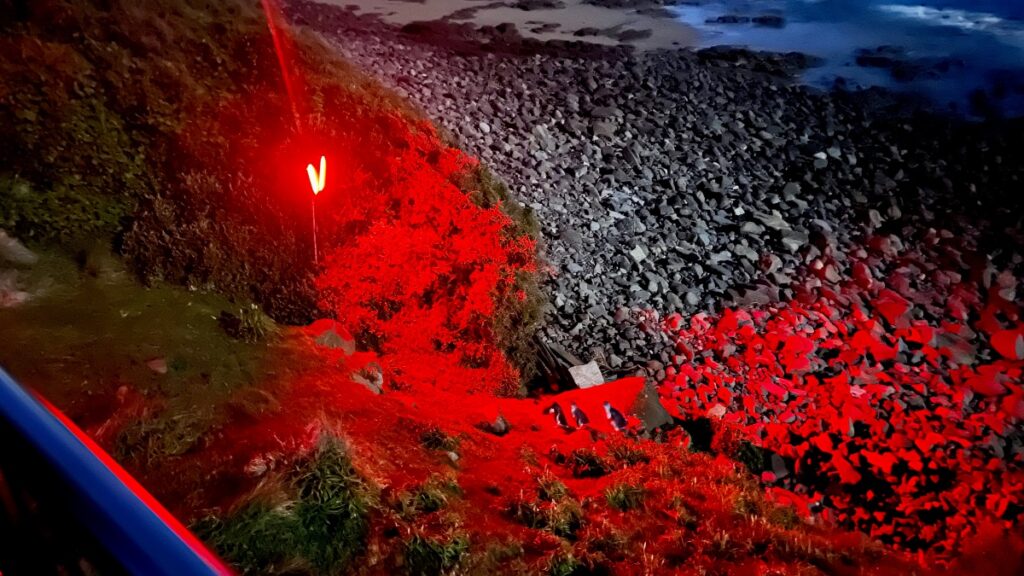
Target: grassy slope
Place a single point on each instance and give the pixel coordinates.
(149, 371)
(534, 501)
(252, 476)
(157, 126)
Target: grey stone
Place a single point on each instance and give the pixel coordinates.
(621, 314)
(638, 254)
(745, 252)
(752, 229)
(604, 112)
(674, 301)
(793, 240)
(331, 339)
(791, 190)
(603, 129)
(372, 377)
(774, 220)
(650, 411)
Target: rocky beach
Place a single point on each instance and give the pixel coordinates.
(681, 181)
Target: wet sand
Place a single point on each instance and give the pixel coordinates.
(609, 26)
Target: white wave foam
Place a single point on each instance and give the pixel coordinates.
(1009, 30)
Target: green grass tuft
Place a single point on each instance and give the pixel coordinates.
(565, 518)
(625, 496)
(331, 508)
(627, 453)
(556, 512)
(436, 439)
(564, 564)
(685, 514)
(318, 521)
(755, 458)
(432, 496)
(784, 517)
(251, 325)
(516, 321)
(748, 504)
(153, 437)
(428, 556)
(586, 463)
(550, 488)
(507, 555)
(258, 539)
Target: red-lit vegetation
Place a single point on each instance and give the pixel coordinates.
(442, 491)
(417, 270)
(894, 398)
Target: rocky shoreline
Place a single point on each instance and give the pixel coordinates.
(682, 181)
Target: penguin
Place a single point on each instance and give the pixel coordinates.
(559, 415)
(578, 415)
(616, 418)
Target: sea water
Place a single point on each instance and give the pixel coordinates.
(965, 56)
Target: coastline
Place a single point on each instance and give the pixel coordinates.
(965, 62)
(956, 74)
(645, 27)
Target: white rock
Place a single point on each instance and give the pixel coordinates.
(372, 377)
(14, 251)
(587, 375)
(158, 365)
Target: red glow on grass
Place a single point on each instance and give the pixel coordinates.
(137, 490)
(282, 48)
(420, 269)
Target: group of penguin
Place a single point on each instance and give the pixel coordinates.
(617, 420)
